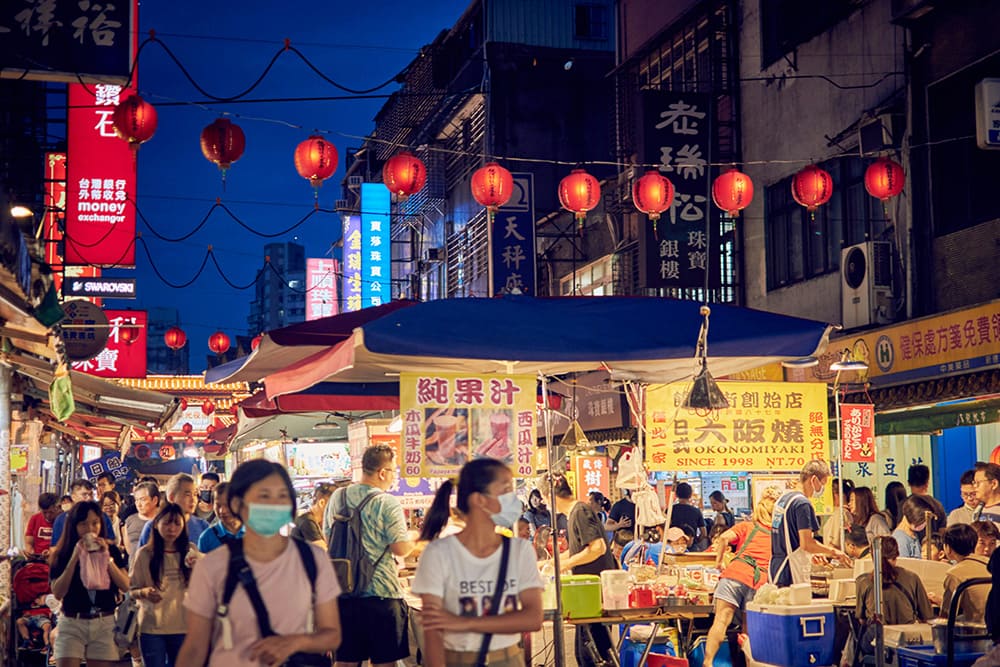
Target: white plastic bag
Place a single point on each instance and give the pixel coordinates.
(94, 570)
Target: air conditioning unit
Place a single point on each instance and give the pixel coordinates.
(866, 284)
(883, 132)
(340, 205)
(434, 254)
(354, 181)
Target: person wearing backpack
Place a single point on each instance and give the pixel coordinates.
(225, 528)
(468, 618)
(374, 616)
(266, 599)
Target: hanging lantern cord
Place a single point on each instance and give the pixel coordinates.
(701, 349)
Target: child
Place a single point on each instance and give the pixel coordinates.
(679, 539)
(34, 620)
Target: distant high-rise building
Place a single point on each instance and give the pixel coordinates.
(279, 295)
(160, 359)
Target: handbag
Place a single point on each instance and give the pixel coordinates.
(484, 648)
(126, 621)
(245, 576)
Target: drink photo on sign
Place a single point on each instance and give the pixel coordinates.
(492, 434)
(446, 436)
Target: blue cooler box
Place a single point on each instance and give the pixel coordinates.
(924, 656)
(791, 635)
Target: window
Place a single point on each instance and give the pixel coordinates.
(801, 245)
(594, 279)
(784, 24)
(591, 22)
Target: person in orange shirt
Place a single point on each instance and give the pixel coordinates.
(746, 572)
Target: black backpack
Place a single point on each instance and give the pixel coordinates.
(352, 564)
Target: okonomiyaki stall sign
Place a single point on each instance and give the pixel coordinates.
(451, 419)
(777, 426)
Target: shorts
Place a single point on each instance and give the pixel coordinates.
(734, 592)
(374, 629)
(37, 622)
(89, 638)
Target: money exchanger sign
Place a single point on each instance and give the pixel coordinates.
(449, 419)
(776, 426)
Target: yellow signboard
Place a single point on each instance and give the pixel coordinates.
(449, 419)
(769, 426)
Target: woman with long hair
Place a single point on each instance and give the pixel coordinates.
(160, 576)
(895, 496)
(457, 575)
(903, 594)
(301, 611)
(867, 515)
(747, 571)
(87, 621)
(537, 514)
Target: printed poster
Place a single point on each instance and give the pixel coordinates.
(857, 431)
(449, 419)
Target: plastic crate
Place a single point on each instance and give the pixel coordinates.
(925, 656)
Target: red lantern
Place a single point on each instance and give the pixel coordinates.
(223, 143)
(884, 178)
(128, 333)
(150, 438)
(187, 428)
(210, 429)
(167, 452)
(316, 160)
(255, 343)
(134, 121)
(184, 404)
(404, 174)
(175, 338)
(812, 187)
(218, 342)
(208, 407)
(732, 191)
(653, 193)
(579, 192)
(492, 186)
(142, 452)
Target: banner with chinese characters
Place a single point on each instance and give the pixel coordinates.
(352, 263)
(896, 453)
(512, 240)
(449, 419)
(592, 474)
(769, 426)
(376, 269)
(124, 353)
(857, 432)
(678, 136)
(110, 462)
(321, 287)
(100, 196)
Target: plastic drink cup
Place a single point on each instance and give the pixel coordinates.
(500, 426)
(445, 427)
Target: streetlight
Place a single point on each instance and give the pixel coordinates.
(20, 211)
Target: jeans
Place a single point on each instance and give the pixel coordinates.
(160, 650)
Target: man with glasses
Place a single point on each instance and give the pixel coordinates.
(987, 483)
(969, 510)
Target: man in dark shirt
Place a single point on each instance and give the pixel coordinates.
(685, 513)
(589, 553)
(308, 525)
(919, 479)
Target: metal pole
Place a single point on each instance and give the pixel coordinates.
(877, 584)
(840, 462)
(5, 507)
(558, 648)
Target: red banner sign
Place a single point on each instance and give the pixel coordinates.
(124, 356)
(100, 194)
(321, 287)
(857, 432)
(591, 475)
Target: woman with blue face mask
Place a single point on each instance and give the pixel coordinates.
(457, 575)
(301, 612)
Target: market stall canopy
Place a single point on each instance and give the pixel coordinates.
(326, 397)
(302, 427)
(641, 338)
(283, 347)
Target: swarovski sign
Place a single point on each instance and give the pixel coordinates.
(107, 288)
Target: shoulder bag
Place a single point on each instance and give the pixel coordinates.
(484, 648)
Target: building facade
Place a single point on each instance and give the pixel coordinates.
(279, 294)
(160, 359)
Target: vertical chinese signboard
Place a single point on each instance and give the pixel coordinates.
(376, 269)
(123, 356)
(100, 196)
(321, 288)
(678, 136)
(352, 263)
(591, 475)
(857, 432)
(55, 206)
(769, 426)
(512, 239)
(451, 419)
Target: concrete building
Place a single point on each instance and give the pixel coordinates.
(279, 295)
(160, 359)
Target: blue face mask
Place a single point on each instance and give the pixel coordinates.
(267, 520)
(510, 510)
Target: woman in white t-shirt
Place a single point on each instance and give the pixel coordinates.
(457, 575)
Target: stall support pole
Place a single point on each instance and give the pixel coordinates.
(879, 618)
(840, 460)
(5, 481)
(558, 647)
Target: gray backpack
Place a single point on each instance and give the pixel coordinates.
(352, 564)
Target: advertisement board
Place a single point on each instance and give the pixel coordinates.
(857, 432)
(512, 240)
(592, 474)
(321, 287)
(352, 263)
(100, 195)
(123, 356)
(376, 269)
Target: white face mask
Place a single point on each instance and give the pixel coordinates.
(817, 493)
(510, 510)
